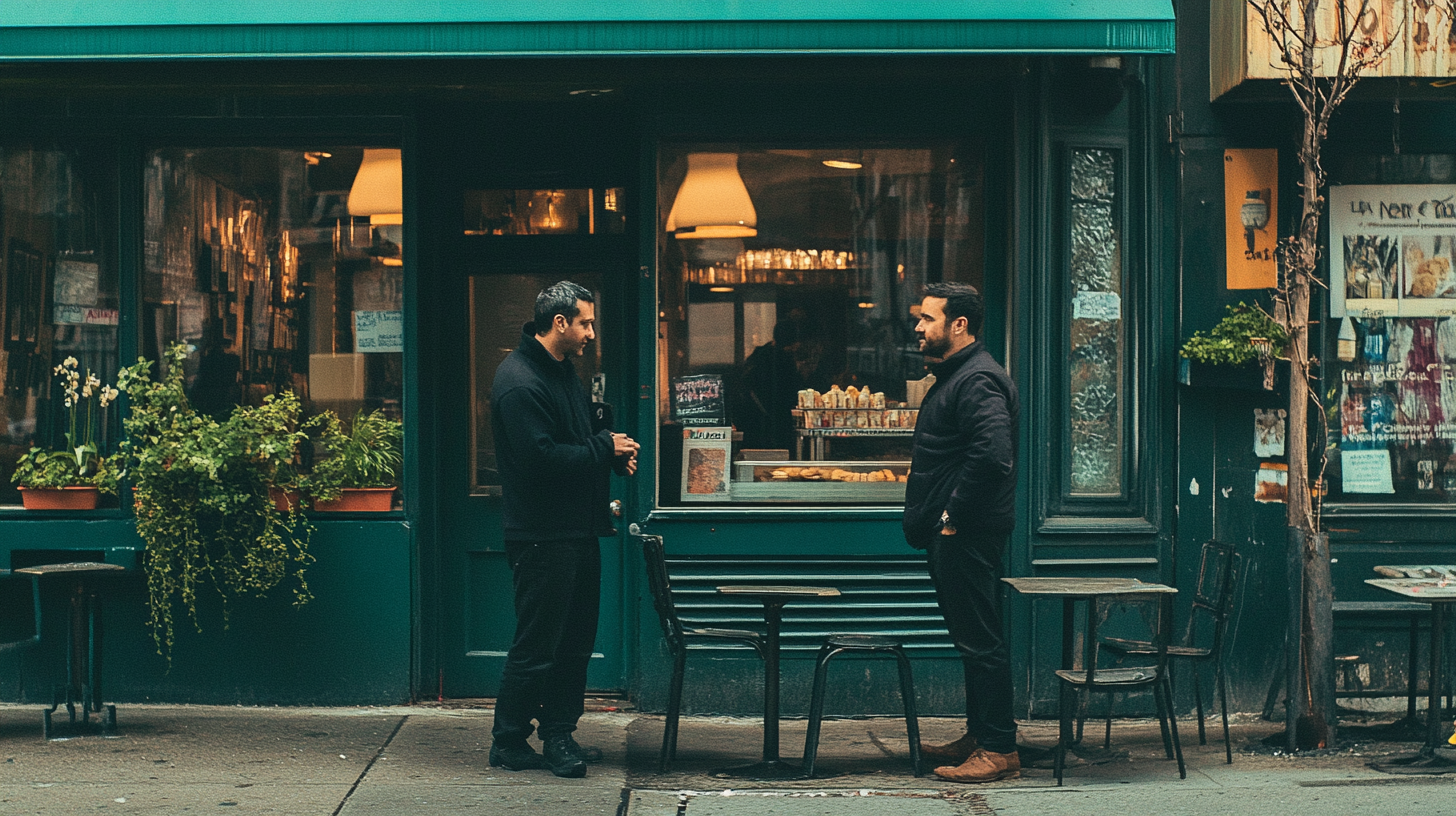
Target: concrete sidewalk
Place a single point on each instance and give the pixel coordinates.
(431, 760)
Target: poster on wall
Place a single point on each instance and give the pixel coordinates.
(1251, 217)
(705, 458)
(698, 400)
(1391, 250)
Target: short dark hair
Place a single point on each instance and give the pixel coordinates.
(961, 300)
(560, 298)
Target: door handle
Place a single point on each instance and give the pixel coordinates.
(615, 505)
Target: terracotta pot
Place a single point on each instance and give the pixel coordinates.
(285, 499)
(59, 498)
(359, 500)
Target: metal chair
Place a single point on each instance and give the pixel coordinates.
(1212, 601)
(677, 638)
(1092, 679)
(840, 644)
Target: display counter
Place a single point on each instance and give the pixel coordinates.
(820, 482)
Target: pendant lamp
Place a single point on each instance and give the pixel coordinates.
(712, 201)
(378, 190)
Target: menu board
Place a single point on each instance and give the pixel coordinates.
(1393, 250)
(698, 400)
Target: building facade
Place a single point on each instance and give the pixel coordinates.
(203, 181)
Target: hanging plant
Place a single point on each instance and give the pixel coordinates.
(202, 502)
(1246, 334)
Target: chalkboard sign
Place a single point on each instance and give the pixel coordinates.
(698, 400)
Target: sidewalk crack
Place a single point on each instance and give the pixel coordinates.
(370, 765)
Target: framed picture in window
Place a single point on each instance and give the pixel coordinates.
(24, 293)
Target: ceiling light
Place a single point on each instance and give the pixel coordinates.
(864, 304)
(378, 190)
(720, 289)
(712, 201)
(842, 164)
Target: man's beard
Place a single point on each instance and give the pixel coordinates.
(935, 348)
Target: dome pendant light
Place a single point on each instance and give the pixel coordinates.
(378, 190)
(712, 201)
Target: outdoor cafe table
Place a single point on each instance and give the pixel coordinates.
(773, 599)
(1071, 590)
(1435, 585)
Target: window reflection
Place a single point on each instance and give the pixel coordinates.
(59, 290)
(258, 260)
(810, 282)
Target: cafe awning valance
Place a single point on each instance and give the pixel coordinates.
(71, 30)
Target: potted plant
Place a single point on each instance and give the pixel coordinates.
(1228, 356)
(202, 496)
(362, 466)
(71, 479)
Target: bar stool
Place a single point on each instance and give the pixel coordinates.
(83, 650)
(840, 644)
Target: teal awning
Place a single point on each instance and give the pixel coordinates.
(48, 30)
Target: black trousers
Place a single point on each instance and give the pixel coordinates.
(558, 588)
(965, 569)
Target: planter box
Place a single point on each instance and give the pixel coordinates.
(285, 501)
(359, 500)
(1248, 377)
(60, 498)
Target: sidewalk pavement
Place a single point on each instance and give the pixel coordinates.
(431, 759)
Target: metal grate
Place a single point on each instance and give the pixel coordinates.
(881, 595)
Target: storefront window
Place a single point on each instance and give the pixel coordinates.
(791, 277)
(279, 269)
(1391, 379)
(59, 291)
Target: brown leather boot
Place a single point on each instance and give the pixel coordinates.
(951, 753)
(983, 766)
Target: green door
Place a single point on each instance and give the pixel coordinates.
(526, 225)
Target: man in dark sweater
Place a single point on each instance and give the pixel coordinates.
(553, 472)
(960, 505)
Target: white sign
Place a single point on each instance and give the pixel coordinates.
(1391, 250)
(705, 463)
(1097, 306)
(379, 331)
(85, 315)
(1366, 471)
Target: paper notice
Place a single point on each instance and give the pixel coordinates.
(1097, 306)
(1366, 471)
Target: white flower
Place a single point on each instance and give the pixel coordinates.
(108, 394)
(58, 369)
(70, 362)
(68, 402)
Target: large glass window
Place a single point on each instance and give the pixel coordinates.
(279, 269)
(791, 279)
(59, 289)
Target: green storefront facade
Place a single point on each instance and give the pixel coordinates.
(882, 147)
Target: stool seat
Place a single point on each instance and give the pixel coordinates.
(841, 643)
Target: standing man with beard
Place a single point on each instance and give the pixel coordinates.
(960, 504)
(554, 474)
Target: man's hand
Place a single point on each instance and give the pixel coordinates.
(947, 530)
(631, 467)
(624, 445)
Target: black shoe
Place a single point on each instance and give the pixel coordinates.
(516, 758)
(563, 761)
(587, 753)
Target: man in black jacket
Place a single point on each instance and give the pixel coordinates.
(553, 472)
(960, 504)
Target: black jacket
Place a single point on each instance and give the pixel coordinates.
(965, 449)
(553, 469)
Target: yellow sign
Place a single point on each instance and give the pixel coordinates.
(1251, 217)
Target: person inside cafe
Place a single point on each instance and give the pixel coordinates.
(960, 508)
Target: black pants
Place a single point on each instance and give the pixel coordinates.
(965, 569)
(558, 587)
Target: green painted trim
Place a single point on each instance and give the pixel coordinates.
(635, 38)
(757, 514)
(263, 12)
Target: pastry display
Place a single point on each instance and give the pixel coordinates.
(868, 472)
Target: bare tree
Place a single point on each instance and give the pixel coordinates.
(1320, 69)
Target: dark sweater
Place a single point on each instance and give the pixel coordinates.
(553, 469)
(965, 449)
